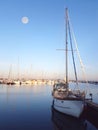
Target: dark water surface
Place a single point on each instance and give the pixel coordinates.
(30, 108)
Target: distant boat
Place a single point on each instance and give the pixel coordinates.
(10, 79)
(17, 82)
(64, 99)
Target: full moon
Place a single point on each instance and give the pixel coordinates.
(24, 20)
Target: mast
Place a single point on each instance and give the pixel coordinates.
(66, 47)
(72, 51)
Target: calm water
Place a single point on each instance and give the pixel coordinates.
(29, 108)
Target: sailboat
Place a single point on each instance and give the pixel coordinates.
(66, 100)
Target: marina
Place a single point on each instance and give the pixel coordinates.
(30, 107)
(40, 88)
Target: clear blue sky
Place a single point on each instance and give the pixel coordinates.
(34, 45)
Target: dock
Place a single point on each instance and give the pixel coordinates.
(92, 105)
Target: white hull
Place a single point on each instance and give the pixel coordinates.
(70, 107)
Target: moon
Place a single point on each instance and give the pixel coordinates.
(25, 20)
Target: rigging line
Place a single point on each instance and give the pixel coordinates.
(18, 67)
(73, 55)
(10, 72)
(80, 60)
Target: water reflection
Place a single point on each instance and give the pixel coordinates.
(25, 108)
(65, 122)
(91, 116)
(29, 108)
(87, 121)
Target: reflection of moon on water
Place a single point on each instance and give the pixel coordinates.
(25, 20)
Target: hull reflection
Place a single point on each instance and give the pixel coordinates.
(92, 116)
(65, 122)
